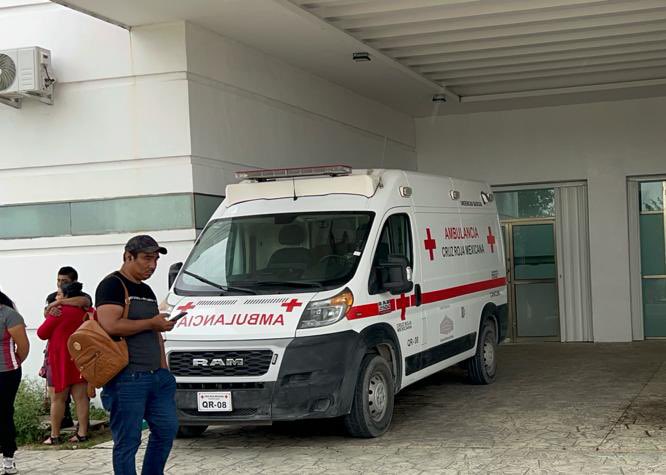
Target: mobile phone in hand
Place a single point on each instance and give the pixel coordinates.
(177, 317)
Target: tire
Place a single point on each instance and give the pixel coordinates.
(482, 367)
(190, 432)
(372, 404)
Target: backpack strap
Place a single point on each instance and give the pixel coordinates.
(127, 299)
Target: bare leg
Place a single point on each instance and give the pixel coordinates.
(57, 410)
(82, 406)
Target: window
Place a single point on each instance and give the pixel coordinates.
(204, 207)
(276, 253)
(132, 214)
(653, 257)
(526, 204)
(653, 195)
(115, 215)
(395, 240)
(31, 221)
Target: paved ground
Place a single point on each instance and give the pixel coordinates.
(574, 408)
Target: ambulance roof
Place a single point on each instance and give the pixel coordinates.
(359, 182)
(428, 189)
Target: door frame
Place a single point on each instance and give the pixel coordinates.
(507, 228)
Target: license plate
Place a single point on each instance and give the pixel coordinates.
(214, 402)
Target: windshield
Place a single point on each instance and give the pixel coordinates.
(275, 253)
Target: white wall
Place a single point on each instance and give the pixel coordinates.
(29, 269)
(161, 109)
(602, 143)
(119, 97)
(119, 127)
(251, 110)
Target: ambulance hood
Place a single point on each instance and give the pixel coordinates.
(239, 317)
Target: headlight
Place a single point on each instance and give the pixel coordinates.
(326, 312)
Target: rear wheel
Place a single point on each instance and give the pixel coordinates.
(482, 367)
(372, 406)
(188, 432)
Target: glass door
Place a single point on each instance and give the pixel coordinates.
(653, 257)
(532, 273)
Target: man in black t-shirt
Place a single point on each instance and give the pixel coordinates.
(66, 275)
(145, 389)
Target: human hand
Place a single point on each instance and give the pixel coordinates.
(160, 323)
(53, 309)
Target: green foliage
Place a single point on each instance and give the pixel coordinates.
(97, 413)
(28, 411)
(31, 408)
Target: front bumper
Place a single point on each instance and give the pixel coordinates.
(316, 379)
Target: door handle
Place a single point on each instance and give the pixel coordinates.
(418, 294)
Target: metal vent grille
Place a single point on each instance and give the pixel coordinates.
(218, 386)
(254, 363)
(7, 72)
(234, 413)
(265, 301)
(216, 302)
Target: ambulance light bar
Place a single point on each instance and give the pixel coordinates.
(273, 174)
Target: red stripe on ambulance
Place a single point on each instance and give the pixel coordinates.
(403, 302)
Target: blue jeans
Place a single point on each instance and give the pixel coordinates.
(132, 397)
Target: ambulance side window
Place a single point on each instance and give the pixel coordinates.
(394, 240)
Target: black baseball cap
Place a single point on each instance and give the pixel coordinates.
(144, 243)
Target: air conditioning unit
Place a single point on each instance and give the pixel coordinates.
(25, 72)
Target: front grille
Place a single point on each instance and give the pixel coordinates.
(234, 413)
(217, 386)
(255, 363)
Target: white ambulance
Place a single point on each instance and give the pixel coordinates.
(322, 292)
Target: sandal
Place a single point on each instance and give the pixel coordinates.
(52, 440)
(76, 438)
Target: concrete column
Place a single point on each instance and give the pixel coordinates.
(609, 254)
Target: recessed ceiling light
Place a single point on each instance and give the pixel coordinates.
(361, 56)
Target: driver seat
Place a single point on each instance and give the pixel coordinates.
(295, 257)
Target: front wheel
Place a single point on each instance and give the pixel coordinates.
(372, 406)
(482, 367)
(189, 432)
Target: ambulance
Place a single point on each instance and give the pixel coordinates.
(321, 292)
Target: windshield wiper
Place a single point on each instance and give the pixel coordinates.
(287, 283)
(225, 288)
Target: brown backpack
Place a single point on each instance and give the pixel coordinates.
(97, 356)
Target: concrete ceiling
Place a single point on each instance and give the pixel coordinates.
(481, 54)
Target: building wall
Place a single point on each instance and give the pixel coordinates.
(165, 108)
(249, 109)
(110, 133)
(602, 143)
(117, 99)
(29, 268)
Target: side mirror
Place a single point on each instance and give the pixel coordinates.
(395, 275)
(174, 269)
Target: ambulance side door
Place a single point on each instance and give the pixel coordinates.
(396, 240)
(444, 268)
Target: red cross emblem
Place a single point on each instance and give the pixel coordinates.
(430, 244)
(491, 239)
(402, 303)
(186, 307)
(291, 304)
